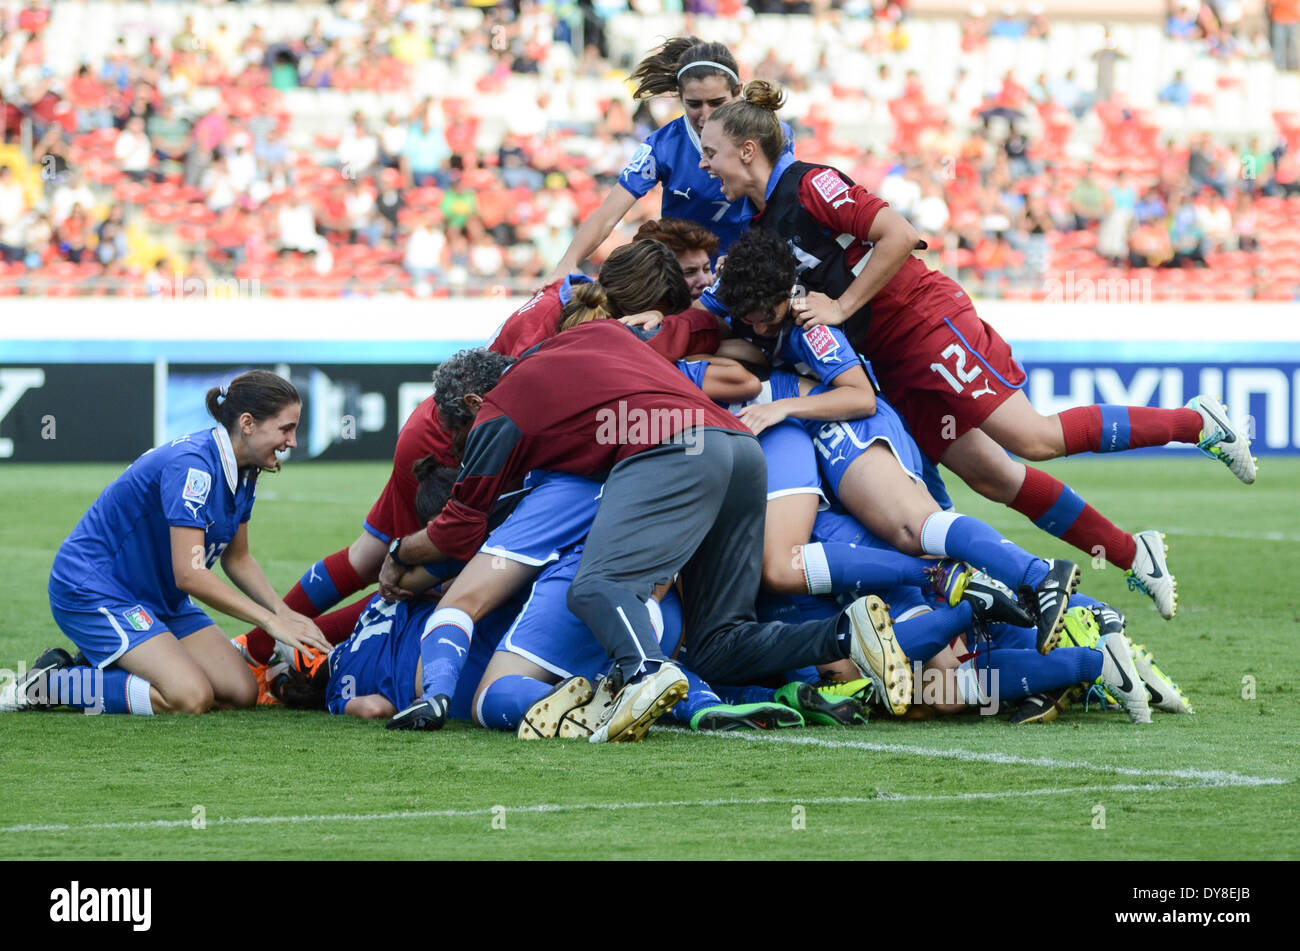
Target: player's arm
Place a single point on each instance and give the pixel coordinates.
(734, 348)
(593, 231)
(850, 397)
(726, 381)
(372, 706)
(193, 577)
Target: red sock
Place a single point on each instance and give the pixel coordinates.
(1056, 508)
(1111, 428)
(345, 581)
(337, 626)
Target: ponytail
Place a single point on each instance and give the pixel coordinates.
(260, 393)
(588, 302)
(684, 58)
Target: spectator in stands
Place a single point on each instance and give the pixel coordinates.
(426, 247)
(72, 235)
(1149, 245)
(52, 157)
(116, 70)
(13, 211)
(1214, 220)
(70, 192)
(975, 29)
(1184, 233)
(1068, 94)
(38, 239)
(424, 153)
(1181, 21)
(392, 140)
(1008, 26)
(171, 138)
(1201, 167)
(1177, 92)
(296, 222)
(1031, 233)
(1149, 207)
(132, 151)
(111, 244)
(1245, 222)
(364, 223)
(1112, 234)
(1106, 57)
(1087, 200)
(1284, 19)
(411, 45)
(358, 150)
(1039, 28)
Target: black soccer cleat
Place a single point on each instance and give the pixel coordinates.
(993, 602)
(422, 715)
(1045, 707)
(31, 691)
(1051, 599)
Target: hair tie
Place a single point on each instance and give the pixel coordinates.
(708, 62)
(222, 394)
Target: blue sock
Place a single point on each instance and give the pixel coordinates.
(443, 649)
(100, 691)
(699, 695)
(979, 545)
(739, 695)
(503, 704)
(1010, 637)
(836, 567)
(319, 587)
(1021, 673)
(926, 634)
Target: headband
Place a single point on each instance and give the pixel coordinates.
(708, 62)
(222, 394)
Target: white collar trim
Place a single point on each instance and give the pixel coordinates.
(692, 135)
(227, 452)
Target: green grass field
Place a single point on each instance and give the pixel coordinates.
(278, 784)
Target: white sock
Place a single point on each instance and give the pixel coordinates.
(968, 685)
(934, 532)
(816, 570)
(137, 696)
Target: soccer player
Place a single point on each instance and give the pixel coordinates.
(122, 583)
(706, 77)
(668, 451)
(694, 246)
(637, 277)
(951, 375)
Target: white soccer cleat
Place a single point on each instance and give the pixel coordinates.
(580, 722)
(1150, 573)
(640, 703)
(875, 650)
(1119, 675)
(31, 690)
(1222, 440)
(1165, 694)
(541, 721)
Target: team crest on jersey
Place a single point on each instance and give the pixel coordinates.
(821, 341)
(138, 618)
(197, 486)
(643, 161)
(829, 184)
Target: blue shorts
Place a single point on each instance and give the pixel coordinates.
(791, 461)
(106, 628)
(555, 515)
(839, 444)
(552, 637)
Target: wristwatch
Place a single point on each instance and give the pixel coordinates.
(394, 549)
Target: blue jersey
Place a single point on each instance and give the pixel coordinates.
(671, 157)
(121, 548)
(694, 370)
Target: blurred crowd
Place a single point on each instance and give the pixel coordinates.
(135, 168)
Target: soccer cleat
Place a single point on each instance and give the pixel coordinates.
(640, 703)
(861, 690)
(422, 715)
(993, 602)
(1150, 573)
(753, 716)
(1165, 694)
(31, 690)
(1080, 628)
(1050, 600)
(875, 650)
(1221, 440)
(823, 709)
(1120, 677)
(1045, 707)
(948, 578)
(581, 722)
(541, 721)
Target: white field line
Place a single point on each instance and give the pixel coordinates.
(880, 797)
(1208, 777)
(1245, 536)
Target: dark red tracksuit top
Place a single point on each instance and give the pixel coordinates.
(581, 402)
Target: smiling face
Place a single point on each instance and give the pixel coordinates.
(263, 439)
(701, 96)
(725, 160)
(696, 270)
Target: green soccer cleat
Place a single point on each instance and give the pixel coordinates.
(822, 709)
(745, 716)
(1081, 628)
(860, 690)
